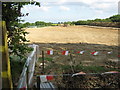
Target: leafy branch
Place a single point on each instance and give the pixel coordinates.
(11, 13)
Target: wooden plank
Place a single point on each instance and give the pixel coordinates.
(47, 85)
(43, 62)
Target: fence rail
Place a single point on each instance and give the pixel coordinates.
(26, 77)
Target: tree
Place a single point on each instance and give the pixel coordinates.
(16, 35)
(115, 18)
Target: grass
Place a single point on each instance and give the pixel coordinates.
(46, 58)
(16, 70)
(94, 69)
(89, 69)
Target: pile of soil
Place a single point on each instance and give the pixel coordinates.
(111, 81)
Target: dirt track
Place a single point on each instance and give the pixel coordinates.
(74, 34)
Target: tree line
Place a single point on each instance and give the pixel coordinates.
(112, 21)
(37, 23)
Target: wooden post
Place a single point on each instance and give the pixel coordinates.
(38, 82)
(72, 58)
(43, 62)
(6, 70)
(72, 67)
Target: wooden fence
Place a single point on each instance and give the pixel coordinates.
(26, 78)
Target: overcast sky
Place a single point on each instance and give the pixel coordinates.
(70, 10)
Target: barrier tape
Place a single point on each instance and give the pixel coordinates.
(51, 52)
(45, 78)
(94, 53)
(83, 73)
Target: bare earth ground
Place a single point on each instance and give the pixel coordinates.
(73, 39)
(73, 34)
(77, 38)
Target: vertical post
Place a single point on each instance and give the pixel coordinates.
(42, 62)
(0, 55)
(72, 58)
(0, 45)
(38, 82)
(73, 62)
(6, 70)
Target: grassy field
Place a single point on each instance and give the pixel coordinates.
(73, 39)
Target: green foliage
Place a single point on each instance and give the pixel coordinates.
(81, 22)
(11, 11)
(111, 21)
(66, 67)
(16, 69)
(88, 69)
(16, 43)
(94, 69)
(115, 18)
(42, 24)
(37, 23)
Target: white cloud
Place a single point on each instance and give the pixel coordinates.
(94, 4)
(101, 6)
(45, 8)
(29, 8)
(89, 1)
(64, 8)
(99, 12)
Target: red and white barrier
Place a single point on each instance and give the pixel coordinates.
(45, 78)
(81, 52)
(65, 53)
(50, 52)
(94, 53)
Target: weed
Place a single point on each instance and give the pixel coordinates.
(46, 58)
(16, 70)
